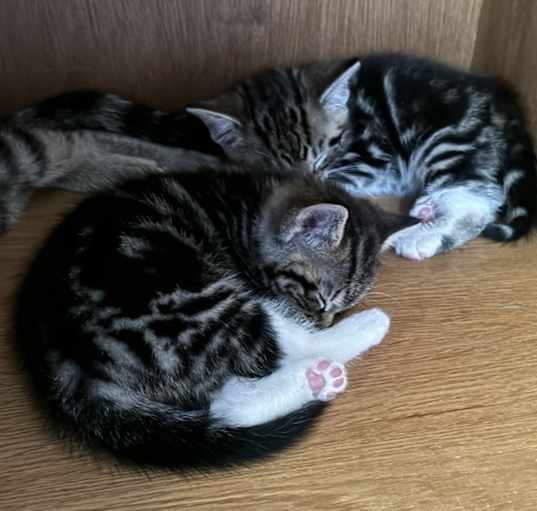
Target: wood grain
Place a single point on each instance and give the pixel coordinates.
(167, 52)
(441, 416)
(505, 46)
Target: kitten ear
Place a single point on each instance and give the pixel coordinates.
(393, 223)
(335, 97)
(224, 128)
(321, 225)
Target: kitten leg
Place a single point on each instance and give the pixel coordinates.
(450, 217)
(342, 342)
(244, 402)
(306, 373)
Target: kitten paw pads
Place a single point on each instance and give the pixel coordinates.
(326, 379)
(424, 211)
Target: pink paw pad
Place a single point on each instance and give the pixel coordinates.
(425, 212)
(326, 379)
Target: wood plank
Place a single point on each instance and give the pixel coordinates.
(168, 52)
(505, 46)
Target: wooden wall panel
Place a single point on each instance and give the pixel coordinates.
(167, 52)
(506, 45)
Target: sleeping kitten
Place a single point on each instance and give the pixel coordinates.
(384, 125)
(393, 125)
(178, 321)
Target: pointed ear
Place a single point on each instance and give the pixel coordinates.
(224, 128)
(335, 97)
(392, 223)
(321, 225)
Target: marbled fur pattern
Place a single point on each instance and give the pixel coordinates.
(177, 321)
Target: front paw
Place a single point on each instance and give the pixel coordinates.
(358, 333)
(372, 324)
(420, 243)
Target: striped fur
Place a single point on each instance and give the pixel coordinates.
(393, 125)
(381, 125)
(173, 322)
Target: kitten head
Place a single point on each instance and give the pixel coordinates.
(286, 119)
(319, 249)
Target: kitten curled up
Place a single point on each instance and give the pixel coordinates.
(186, 320)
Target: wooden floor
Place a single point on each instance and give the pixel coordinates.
(441, 416)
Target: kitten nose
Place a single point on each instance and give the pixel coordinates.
(327, 318)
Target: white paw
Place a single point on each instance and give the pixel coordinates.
(419, 243)
(371, 325)
(357, 334)
(326, 379)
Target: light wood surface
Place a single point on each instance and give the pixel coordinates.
(441, 416)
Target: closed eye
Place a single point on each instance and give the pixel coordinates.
(321, 303)
(334, 141)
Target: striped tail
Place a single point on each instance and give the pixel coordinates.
(518, 214)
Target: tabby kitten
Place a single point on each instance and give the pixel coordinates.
(177, 321)
(393, 125)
